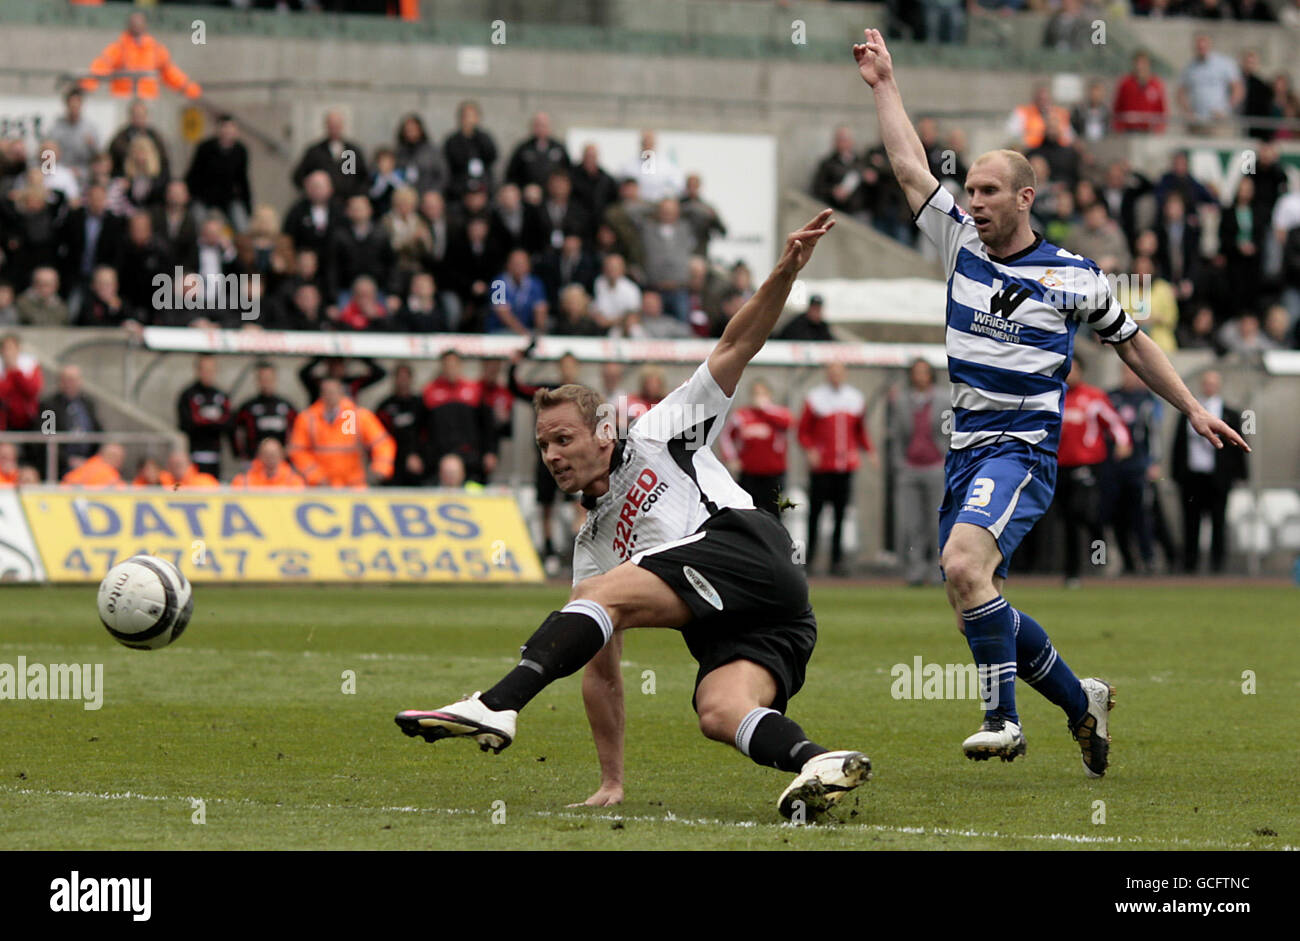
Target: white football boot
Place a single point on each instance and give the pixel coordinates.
(821, 782)
(1093, 731)
(469, 718)
(997, 738)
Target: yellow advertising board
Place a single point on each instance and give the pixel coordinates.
(223, 535)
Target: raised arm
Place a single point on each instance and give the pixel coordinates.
(1151, 364)
(746, 332)
(602, 695)
(902, 144)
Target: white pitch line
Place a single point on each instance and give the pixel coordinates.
(667, 817)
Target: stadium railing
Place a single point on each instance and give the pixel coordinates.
(156, 443)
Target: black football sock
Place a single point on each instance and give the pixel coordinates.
(563, 644)
(771, 739)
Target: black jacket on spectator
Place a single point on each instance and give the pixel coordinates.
(32, 240)
(461, 152)
(1189, 255)
(298, 225)
(532, 163)
(203, 413)
(219, 176)
(263, 416)
(422, 165)
(408, 320)
(61, 407)
(151, 193)
(531, 233)
(318, 157)
(596, 192)
(559, 221)
(830, 174)
(1123, 204)
(136, 267)
(181, 234)
(801, 328)
(105, 251)
(467, 264)
(93, 312)
(351, 256)
(1258, 103)
(1291, 259)
(1229, 461)
(403, 416)
(557, 271)
(1270, 183)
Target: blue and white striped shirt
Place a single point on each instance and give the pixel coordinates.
(1010, 328)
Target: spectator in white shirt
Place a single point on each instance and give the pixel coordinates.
(616, 294)
(655, 171)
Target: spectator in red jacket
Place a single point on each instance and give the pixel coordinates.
(1086, 422)
(756, 440)
(20, 386)
(832, 430)
(1140, 103)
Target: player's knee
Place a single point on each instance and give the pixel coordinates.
(716, 722)
(962, 569)
(594, 589)
(600, 589)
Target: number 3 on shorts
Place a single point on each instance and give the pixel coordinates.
(981, 491)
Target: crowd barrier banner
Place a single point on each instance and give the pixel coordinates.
(223, 535)
(428, 346)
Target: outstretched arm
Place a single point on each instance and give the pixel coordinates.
(906, 155)
(1151, 364)
(749, 329)
(602, 694)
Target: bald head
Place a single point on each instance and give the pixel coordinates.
(113, 454)
(1012, 165)
(1000, 186)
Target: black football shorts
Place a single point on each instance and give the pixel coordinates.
(747, 595)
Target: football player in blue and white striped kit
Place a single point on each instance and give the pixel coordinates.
(1014, 303)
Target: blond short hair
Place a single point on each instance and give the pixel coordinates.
(587, 400)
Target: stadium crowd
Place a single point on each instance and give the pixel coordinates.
(1206, 269)
(414, 235)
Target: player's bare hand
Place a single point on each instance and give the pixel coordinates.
(799, 245)
(1215, 430)
(874, 62)
(607, 796)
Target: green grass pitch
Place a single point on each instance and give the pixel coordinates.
(247, 712)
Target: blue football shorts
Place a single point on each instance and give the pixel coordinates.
(1005, 488)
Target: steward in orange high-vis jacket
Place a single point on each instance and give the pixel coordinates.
(136, 51)
(332, 440)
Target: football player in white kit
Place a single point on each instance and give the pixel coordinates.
(671, 541)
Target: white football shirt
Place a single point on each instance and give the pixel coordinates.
(664, 479)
